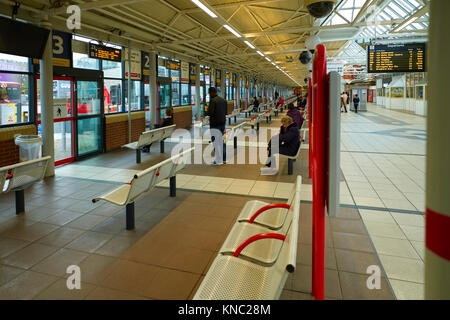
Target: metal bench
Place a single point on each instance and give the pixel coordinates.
(291, 160)
(127, 194)
(264, 252)
(19, 176)
(147, 138)
(248, 111)
(231, 134)
(256, 120)
(235, 278)
(234, 114)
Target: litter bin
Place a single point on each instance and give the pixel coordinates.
(30, 147)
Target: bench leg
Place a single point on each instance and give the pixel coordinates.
(130, 216)
(235, 119)
(173, 186)
(235, 142)
(290, 166)
(267, 120)
(161, 146)
(270, 118)
(20, 201)
(229, 121)
(138, 155)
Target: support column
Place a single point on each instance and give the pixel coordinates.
(238, 89)
(437, 233)
(153, 87)
(46, 82)
(198, 101)
(223, 85)
(129, 91)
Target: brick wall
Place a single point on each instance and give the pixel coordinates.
(116, 129)
(9, 152)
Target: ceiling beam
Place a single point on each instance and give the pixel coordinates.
(356, 26)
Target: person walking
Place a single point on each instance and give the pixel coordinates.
(217, 111)
(255, 104)
(356, 103)
(344, 98)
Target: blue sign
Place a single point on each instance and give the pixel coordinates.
(145, 66)
(62, 49)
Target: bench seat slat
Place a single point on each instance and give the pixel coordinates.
(272, 219)
(238, 279)
(118, 196)
(264, 251)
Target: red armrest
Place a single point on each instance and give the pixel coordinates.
(268, 207)
(256, 238)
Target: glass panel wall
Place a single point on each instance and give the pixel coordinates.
(15, 81)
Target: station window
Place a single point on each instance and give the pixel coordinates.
(14, 90)
(82, 61)
(112, 95)
(112, 69)
(175, 75)
(135, 95)
(185, 97)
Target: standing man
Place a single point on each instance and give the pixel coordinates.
(344, 101)
(356, 103)
(217, 111)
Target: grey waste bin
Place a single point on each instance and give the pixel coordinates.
(30, 147)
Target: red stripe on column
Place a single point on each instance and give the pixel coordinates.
(438, 233)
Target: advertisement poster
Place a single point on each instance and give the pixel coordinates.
(184, 72)
(136, 64)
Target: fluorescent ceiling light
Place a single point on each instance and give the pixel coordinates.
(407, 23)
(260, 53)
(204, 8)
(232, 30)
(268, 59)
(249, 44)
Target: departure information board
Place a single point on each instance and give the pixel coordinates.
(408, 57)
(105, 53)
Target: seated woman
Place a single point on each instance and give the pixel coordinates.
(295, 115)
(289, 142)
(167, 121)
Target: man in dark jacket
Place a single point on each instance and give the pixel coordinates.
(289, 143)
(356, 103)
(217, 111)
(255, 104)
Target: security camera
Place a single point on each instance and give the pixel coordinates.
(305, 57)
(320, 8)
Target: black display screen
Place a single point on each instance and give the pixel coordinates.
(22, 39)
(408, 57)
(98, 51)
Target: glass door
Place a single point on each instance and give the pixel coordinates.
(63, 119)
(164, 95)
(88, 117)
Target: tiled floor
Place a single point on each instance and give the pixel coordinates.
(176, 239)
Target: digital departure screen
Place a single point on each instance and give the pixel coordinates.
(103, 52)
(408, 57)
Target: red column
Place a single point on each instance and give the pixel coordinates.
(319, 170)
(437, 234)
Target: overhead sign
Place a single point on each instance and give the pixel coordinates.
(99, 51)
(136, 64)
(62, 48)
(192, 75)
(408, 57)
(173, 65)
(145, 66)
(184, 72)
(59, 108)
(218, 78)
